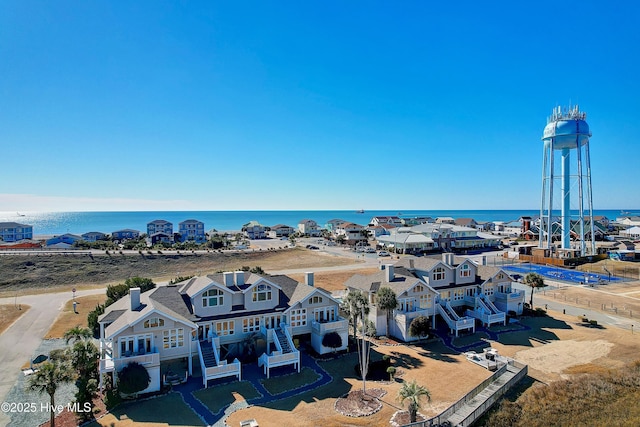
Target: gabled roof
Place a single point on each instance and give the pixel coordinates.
(191, 221)
(13, 225)
(159, 222)
(403, 280)
(122, 316)
(487, 272)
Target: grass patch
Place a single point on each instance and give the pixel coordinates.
(169, 410)
(68, 319)
(218, 397)
(278, 385)
(39, 272)
(10, 313)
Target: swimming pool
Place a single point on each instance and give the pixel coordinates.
(562, 274)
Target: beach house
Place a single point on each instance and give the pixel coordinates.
(13, 232)
(192, 230)
(454, 290)
(94, 236)
(254, 230)
(309, 227)
(280, 230)
(159, 231)
(214, 321)
(125, 234)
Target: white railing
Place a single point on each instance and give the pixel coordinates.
(442, 312)
(224, 369)
(514, 295)
(202, 366)
(490, 304)
(148, 359)
(451, 311)
(323, 328)
(276, 359)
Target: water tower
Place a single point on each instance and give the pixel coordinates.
(567, 167)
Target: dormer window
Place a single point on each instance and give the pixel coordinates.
(465, 270)
(438, 273)
(262, 293)
(315, 300)
(212, 298)
(153, 322)
(418, 289)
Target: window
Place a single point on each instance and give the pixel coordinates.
(458, 295)
(315, 300)
(425, 301)
(262, 293)
(438, 273)
(251, 325)
(299, 317)
(488, 290)
(225, 328)
(212, 298)
(445, 295)
(153, 322)
(418, 289)
(465, 271)
(173, 338)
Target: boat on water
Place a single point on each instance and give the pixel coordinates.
(19, 214)
(360, 211)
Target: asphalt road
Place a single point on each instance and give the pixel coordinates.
(19, 342)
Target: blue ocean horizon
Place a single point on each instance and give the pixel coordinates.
(56, 223)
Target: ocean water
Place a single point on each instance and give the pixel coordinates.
(54, 223)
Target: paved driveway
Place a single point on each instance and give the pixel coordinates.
(19, 342)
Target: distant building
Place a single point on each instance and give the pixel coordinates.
(93, 236)
(68, 239)
(466, 222)
(392, 220)
(13, 232)
(125, 234)
(445, 220)
(350, 232)
(254, 230)
(309, 227)
(280, 230)
(159, 231)
(192, 230)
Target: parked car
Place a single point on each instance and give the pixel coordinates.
(313, 248)
(370, 250)
(384, 253)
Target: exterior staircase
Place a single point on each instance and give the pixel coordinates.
(208, 354)
(283, 340)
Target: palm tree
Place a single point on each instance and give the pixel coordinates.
(414, 393)
(533, 280)
(49, 376)
(353, 304)
(386, 300)
(78, 333)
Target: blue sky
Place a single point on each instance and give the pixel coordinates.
(302, 105)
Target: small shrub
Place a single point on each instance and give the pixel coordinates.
(391, 371)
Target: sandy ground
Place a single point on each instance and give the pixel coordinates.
(448, 377)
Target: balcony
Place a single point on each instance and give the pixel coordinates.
(407, 316)
(322, 328)
(517, 295)
(108, 364)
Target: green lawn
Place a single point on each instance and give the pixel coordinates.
(162, 411)
(278, 385)
(216, 398)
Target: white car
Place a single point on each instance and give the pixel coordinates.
(384, 253)
(370, 251)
